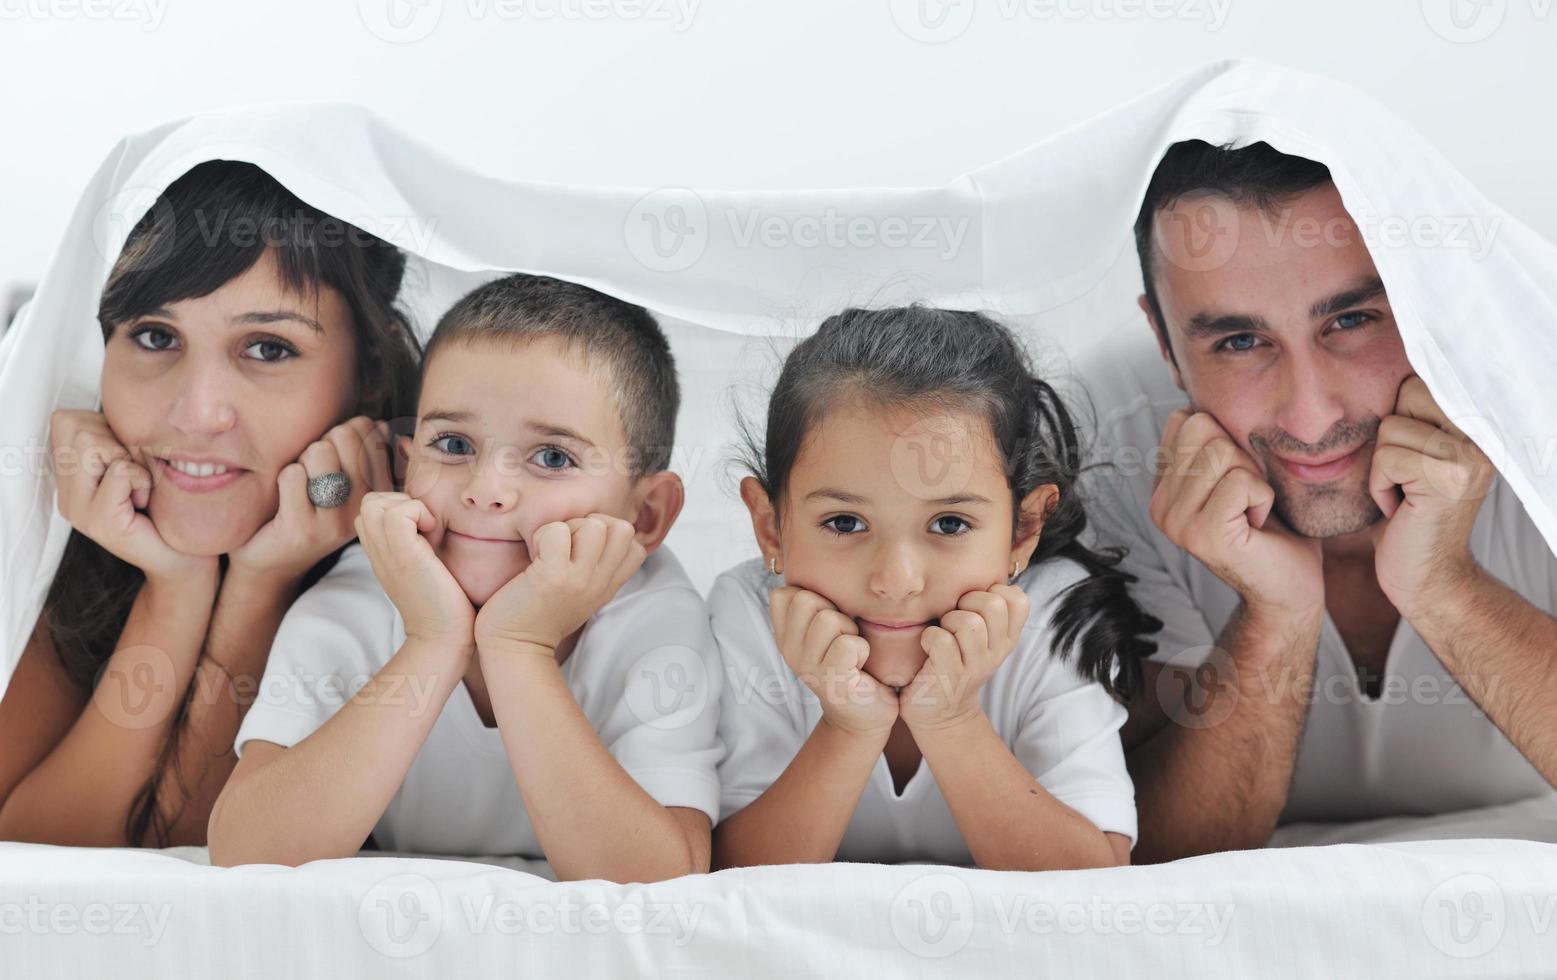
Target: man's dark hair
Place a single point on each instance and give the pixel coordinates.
(622, 339)
(1256, 175)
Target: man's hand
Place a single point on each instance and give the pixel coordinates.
(1211, 499)
(1429, 479)
(575, 568)
(826, 651)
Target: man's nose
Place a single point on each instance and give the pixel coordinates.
(1311, 403)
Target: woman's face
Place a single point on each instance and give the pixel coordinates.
(245, 378)
(892, 515)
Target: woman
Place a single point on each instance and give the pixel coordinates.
(252, 346)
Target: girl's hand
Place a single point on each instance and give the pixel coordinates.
(826, 651)
(972, 641)
(102, 488)
(434, 606)
(301, 533)
(575, 568)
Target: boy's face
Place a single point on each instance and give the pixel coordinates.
(508, 439)
(893, 515)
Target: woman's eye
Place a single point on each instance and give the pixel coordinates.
(455, 443)
(843, 524)
(949, 526)
(272, 351)
(552, 458)
(157, 333)
(1239, 343)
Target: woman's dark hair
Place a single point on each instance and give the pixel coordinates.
(208, 227)
(953, 360)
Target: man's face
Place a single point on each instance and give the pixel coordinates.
(1280, 329)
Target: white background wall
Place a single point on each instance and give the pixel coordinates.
(740, 93)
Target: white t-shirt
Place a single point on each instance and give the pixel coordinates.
(1062, 728)
(645, 671)
(1422, 746)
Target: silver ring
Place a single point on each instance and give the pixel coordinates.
(329, 489)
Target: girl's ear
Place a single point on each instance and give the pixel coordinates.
(764, 522)
(660, 498)
(1035, 510)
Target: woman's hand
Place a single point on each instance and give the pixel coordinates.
(972, 641)
(826, 651)
(575, 568)
(432, 604)
(301, 533)
(102, 488)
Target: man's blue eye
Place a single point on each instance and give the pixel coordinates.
(1240, 342)
(553, 458)
(457, 441)
(849, 519)
(959, 526)
(1358, 320)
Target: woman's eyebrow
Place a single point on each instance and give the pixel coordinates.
(261, 317)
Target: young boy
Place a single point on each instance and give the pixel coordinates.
(509, 663)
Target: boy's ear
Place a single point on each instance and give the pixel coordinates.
(764, 522)
(1036, 508)
(660, 499)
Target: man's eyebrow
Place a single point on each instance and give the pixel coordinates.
(261, 317)
(1370, 288)
(844, 496)
(1217, 324)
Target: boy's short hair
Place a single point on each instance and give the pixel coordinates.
(1258, 174)
(608, 332)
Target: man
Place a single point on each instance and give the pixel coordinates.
(1355, 604)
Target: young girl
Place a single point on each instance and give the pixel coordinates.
(920, 666)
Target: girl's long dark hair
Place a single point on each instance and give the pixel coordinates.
(919, 355)
(209, 227)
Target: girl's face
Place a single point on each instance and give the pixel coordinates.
(892, 515)
(245, 378)
(508, 439)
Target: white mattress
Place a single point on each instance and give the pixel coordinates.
(1466, 907)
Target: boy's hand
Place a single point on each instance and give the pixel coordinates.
(972, 641)
(826, 651)
(434, 606)
(575, 568)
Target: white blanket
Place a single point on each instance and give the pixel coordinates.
(1042, 236)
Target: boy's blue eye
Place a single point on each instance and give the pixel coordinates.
(848, 519)
(553, 458)
(960, 526)
(457, 441)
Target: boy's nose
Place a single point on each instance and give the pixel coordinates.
(492, 487)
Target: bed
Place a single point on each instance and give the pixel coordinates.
(1404, 897)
